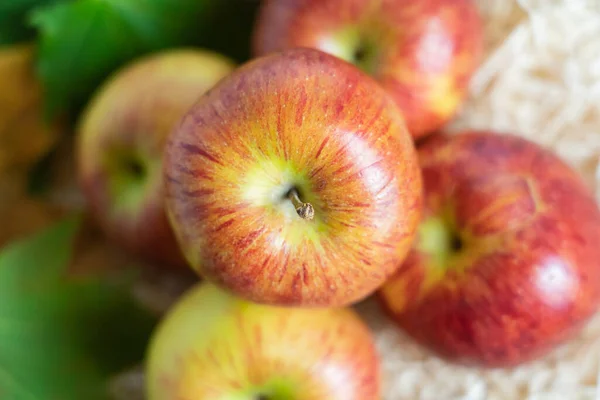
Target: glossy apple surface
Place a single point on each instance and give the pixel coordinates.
(422, 52)
(121, 139)
(506, 264)
(306, 122)
(214, 346)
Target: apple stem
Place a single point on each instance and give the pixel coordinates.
(304, 210)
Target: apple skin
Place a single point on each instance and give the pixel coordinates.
(213, 346)
(527, 273)
(422, 52)
(120, 143)
(298, 119)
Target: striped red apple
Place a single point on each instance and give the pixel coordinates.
(294, 182)
(507, 264)
(423, 52)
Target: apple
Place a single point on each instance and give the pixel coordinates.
(26, 136)
(294, 182)
(506, 264)
(423, 52)
(212, 346)
(120, 142)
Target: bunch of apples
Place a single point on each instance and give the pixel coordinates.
(316, 175)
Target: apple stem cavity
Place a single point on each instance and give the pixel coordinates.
(360, 54)
(305, 210)
(135, 168)
(365, 56)
(456, 243)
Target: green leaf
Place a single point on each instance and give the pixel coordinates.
(83, 42)
(230, 27)
(13, 19)
(61, 337)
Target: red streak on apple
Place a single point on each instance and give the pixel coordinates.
(306, 120)
(422, 52)
(515, 267)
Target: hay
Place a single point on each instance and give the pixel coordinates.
(540, 79)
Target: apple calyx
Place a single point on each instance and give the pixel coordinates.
(305, 210)
(129, 175)
(439, 239)
(365, 56)
(134, 168)
(358, 46)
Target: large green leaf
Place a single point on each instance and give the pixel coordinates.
(13, 19)
(61, 337)
(83, 42)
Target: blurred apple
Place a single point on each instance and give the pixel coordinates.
(423, 52)
(120, 144)
(26, 135)
(294, 182)
(212, 345)
(507, 261)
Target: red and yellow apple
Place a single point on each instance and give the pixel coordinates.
(506, 264)
(423, 52)
(120, 144)
(294, 182)
(212, 345)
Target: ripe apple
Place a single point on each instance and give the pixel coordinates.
(422, 52)
(294, 182)
(506, 264)
(25, 135)
(121, 140)
(212, 345)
